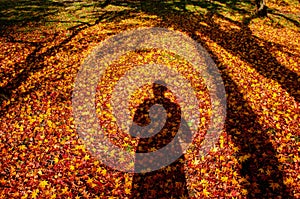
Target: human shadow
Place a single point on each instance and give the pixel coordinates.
(259, 166)
(164, 121)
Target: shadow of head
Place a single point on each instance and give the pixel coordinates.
(159, 88)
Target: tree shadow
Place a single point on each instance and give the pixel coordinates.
(35, 61)
(278, 13)
(254, 143)
(238, 42)
(22, 12)
(242, 42)
(164, 128)
(241, 124)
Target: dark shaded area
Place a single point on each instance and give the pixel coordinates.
(23, 11)
(168, 181)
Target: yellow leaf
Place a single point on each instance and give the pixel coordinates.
(288, 136)
(89, 181)
(86, 157)
(72, 168)
(25, 196)
(183, 197)
(22, 147)
(195, 162)
(278, 125)
(49, 123)
(64, 190)
(224, 179)
(222, 158)
(205, 192)
(215, 149)
(127, 191)
(35, 193)
(268, 172)
(289, 181)
(236, 149)
(234, 181)
(261, 170)
(282, 159)
(244, 191)
(43, 183)
(204, 182)
(244, 157)
(104, 172)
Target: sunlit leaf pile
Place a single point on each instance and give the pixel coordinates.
(44, 43)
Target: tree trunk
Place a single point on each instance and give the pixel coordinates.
(261, 8)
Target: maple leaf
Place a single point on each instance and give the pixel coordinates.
(234, 181)
(289, 180)
(86, 194)
(127, 191)
(244, 191)
(274, 185)
(103, 171)
(244, 157)
(43, 183)
(72, 168)
(195, 162)
(204, 182)
(35, 193)
(89, 181)
(24, 196)
(22, 147)
(183, 197)
(261, 170)
(224, 178)
(64, 190)
(99, 169)
(205, 193)
(86, 157)
(56, 160)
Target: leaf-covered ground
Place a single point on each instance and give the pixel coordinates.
(43, 44)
